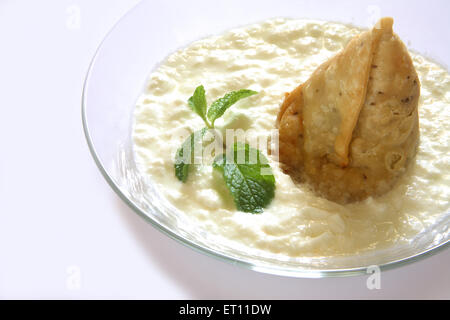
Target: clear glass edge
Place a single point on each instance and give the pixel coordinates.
(297, 273)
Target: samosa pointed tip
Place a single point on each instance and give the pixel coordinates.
(385, 24)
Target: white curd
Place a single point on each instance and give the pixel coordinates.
(273, 58)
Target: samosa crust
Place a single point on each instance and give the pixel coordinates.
(352, 128)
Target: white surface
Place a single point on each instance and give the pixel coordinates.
(59, 220)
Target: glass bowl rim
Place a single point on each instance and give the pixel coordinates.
(289, 272)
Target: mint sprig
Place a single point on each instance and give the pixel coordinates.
(250, 181)
(245, 170)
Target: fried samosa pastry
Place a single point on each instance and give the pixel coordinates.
(352, 128)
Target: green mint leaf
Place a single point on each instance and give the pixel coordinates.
(221, 105)
(184, 157)
(198, 102)
(248, 176)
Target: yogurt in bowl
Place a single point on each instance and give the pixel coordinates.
(269, 57)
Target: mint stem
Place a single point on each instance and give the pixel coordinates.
(208, 125)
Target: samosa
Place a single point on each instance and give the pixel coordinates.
(351, 130)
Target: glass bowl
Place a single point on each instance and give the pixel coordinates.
(154, 29)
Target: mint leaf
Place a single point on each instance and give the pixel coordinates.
(221, 105)
(185, 155)
(248, 176)
(198, 102)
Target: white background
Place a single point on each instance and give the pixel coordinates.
(59, 220)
